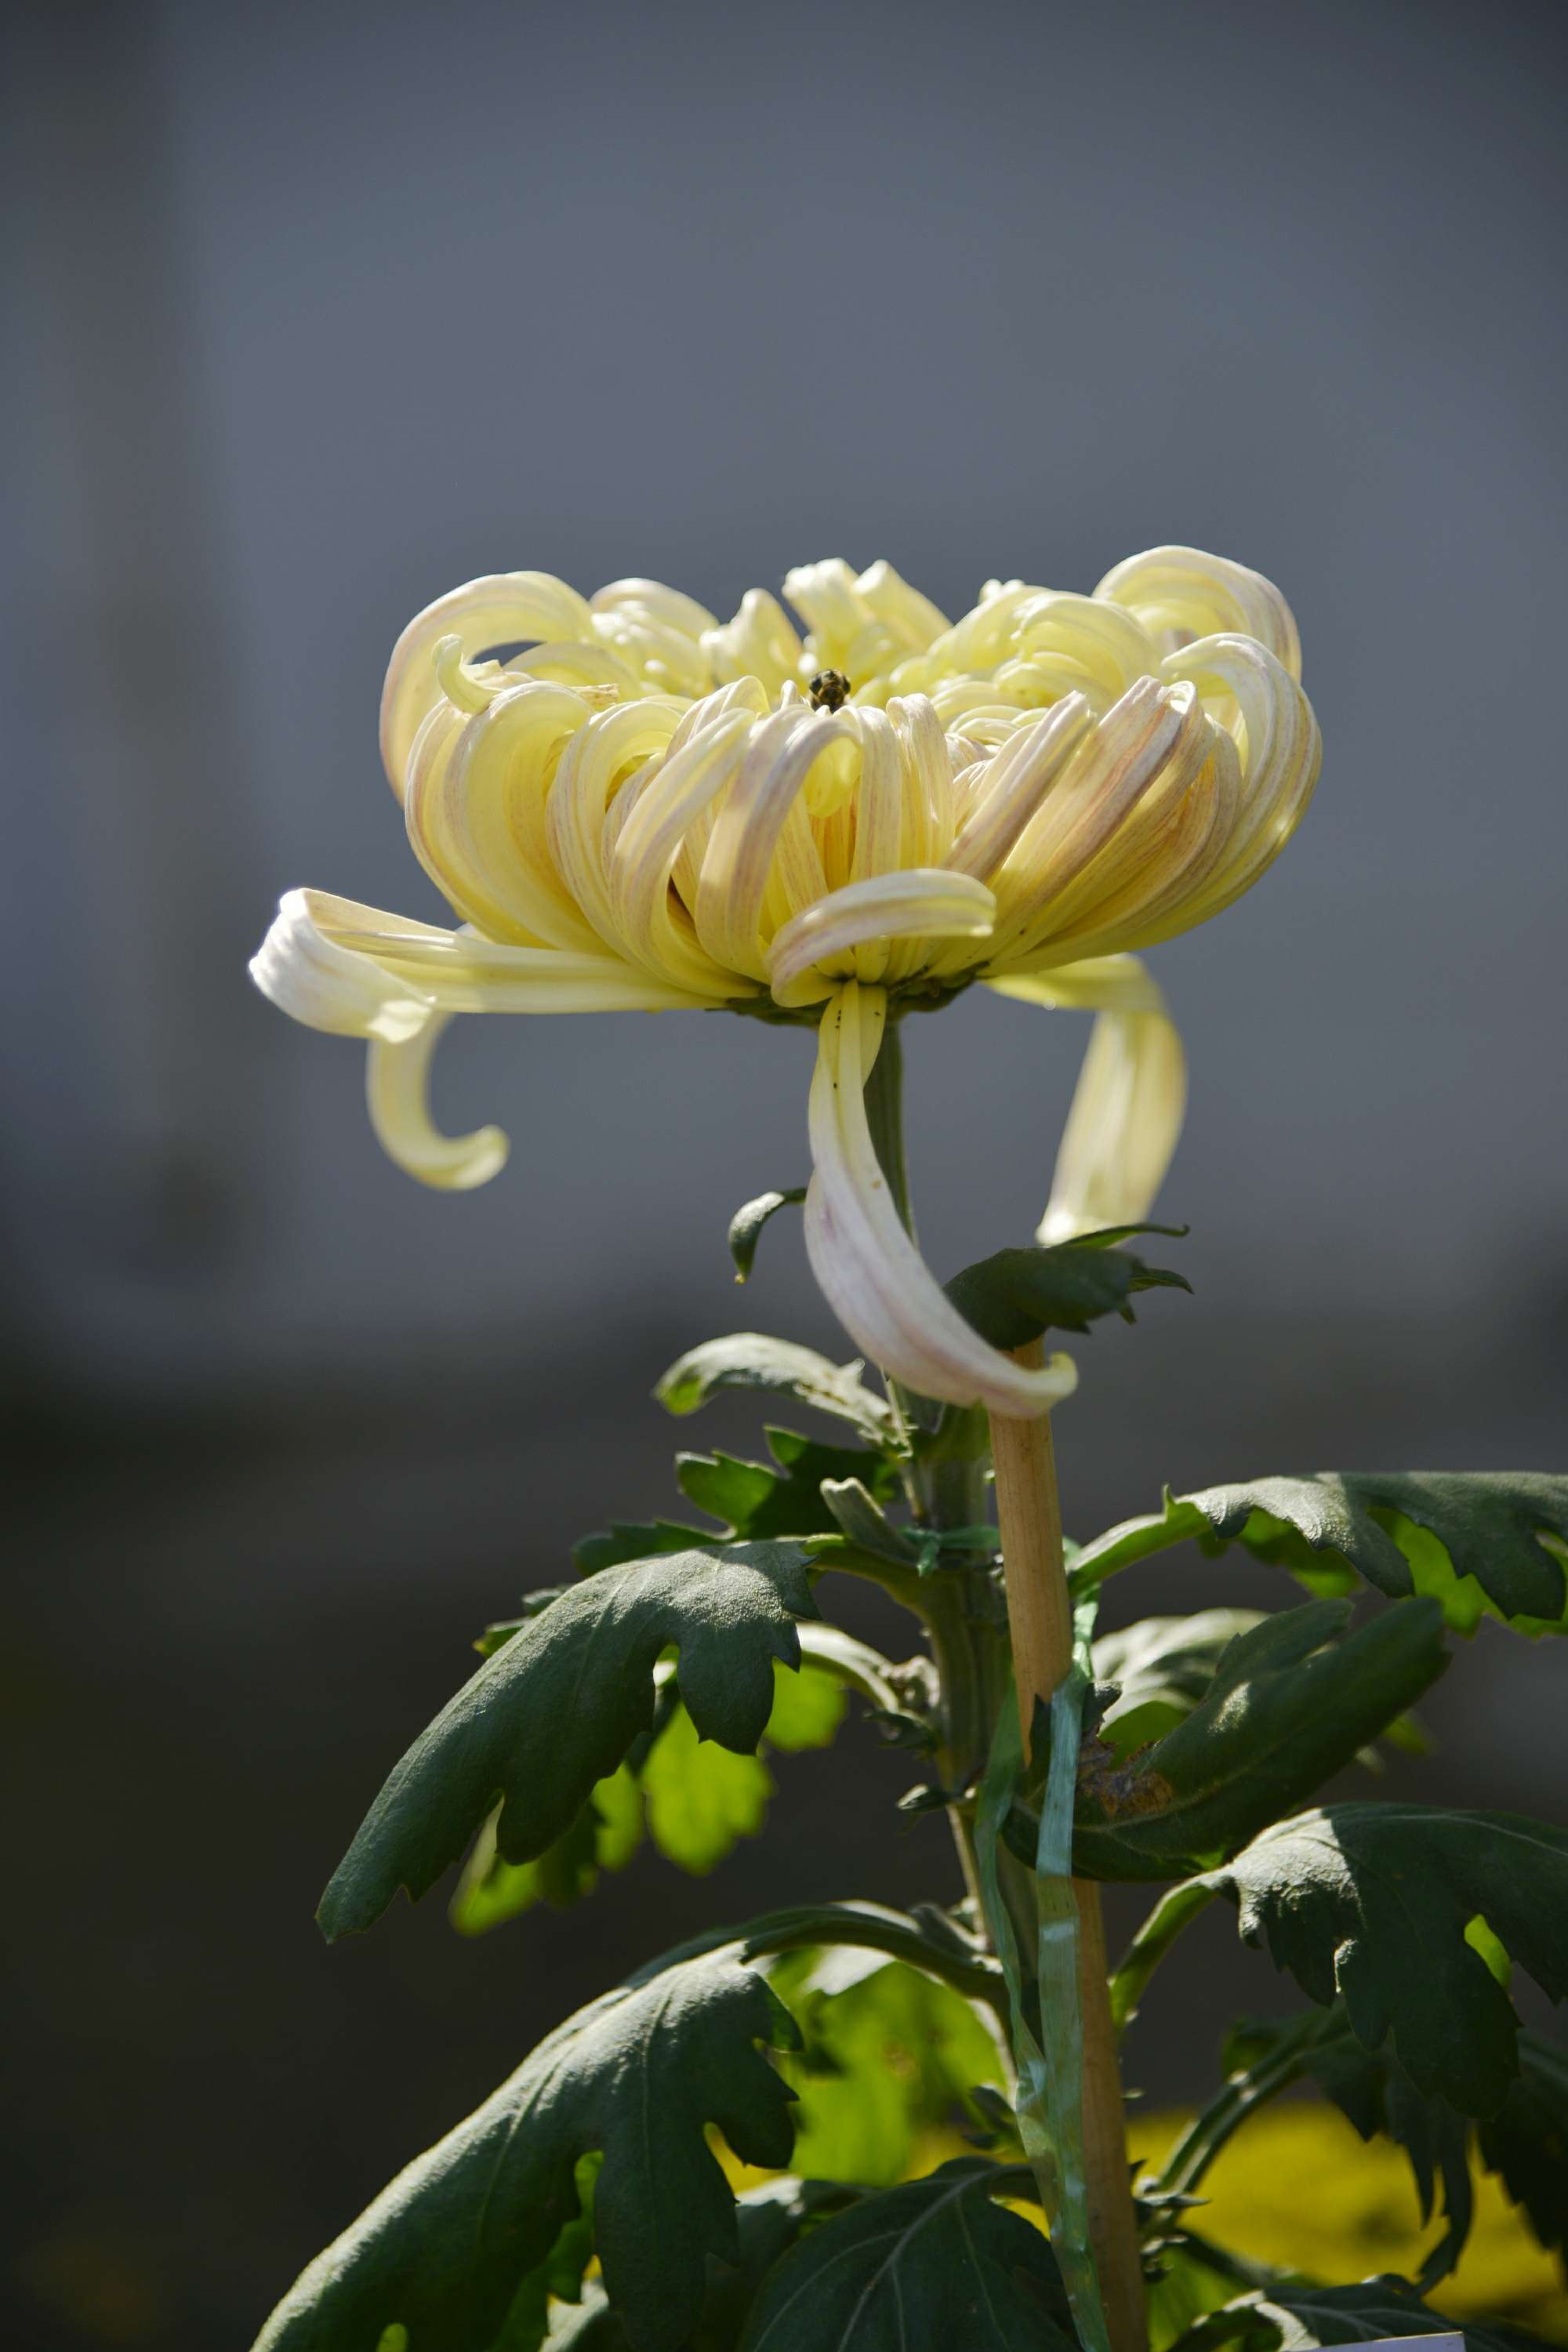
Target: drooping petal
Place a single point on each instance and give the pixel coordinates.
(922, 902)
(501, 608)
(868, 1269)
(397, 1081)
(1129, 1099)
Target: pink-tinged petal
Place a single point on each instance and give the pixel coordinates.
(869, 1270)
(922, 902)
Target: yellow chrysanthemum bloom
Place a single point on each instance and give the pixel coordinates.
(650, 810)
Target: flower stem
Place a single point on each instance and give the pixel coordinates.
(1041, 1614)
(885, 1118)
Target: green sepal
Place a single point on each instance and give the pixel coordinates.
(1478, 1541)
(534, 1728)
(639, 2076)
(1372, 1902)
(1288, 1705)
(935, 2256)
(746, 1224)
(1017, 1295)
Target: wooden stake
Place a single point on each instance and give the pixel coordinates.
(1029, 1515)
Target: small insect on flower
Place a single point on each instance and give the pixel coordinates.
(651, 810)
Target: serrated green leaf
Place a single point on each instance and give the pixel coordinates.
(1300, 2318)
(1016, 1294)
(1372, 1902)
(1481, 1542)
(558, 1708)
(1288, 1705)
(639, 2076)
(888, 2053)
(753, 1501)
(605, 1836)
(746, 1225)
(927, 2267)
(750, 1360)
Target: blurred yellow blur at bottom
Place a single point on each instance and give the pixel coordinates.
(1299, 2188)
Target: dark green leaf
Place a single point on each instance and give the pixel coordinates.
(750, 1360)
(1373, 1902)
(1373, 2092)
(1527, 2140)
(639, 2075)
(928, 2267)
(746, 1224)
(558, 1708)
(1018, 1294)
(1478, 1541)
(1299, 2318)
(1288, 1706)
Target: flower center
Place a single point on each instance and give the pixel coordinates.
(829, 690)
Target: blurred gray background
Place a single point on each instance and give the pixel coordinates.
(315, 312)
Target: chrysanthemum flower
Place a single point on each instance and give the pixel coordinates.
(648, 810)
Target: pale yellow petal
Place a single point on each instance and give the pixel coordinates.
(502, 608)
(397, 1081)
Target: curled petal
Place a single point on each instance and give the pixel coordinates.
(760, 643)
(922, 902)
(1281, 751)
(869, 1270)
(1108, 776)
(397, 1092)
(502, 608)
(1180, 593)
(669, 606)
(1127, 1108)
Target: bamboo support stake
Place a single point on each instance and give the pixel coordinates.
(1029, 1516)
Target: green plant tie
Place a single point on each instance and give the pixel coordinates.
(1050, 2078)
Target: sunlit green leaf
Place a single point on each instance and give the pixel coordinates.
(1481, 1543)
(750, 1360)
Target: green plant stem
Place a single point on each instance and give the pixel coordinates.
(1285, 2063)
